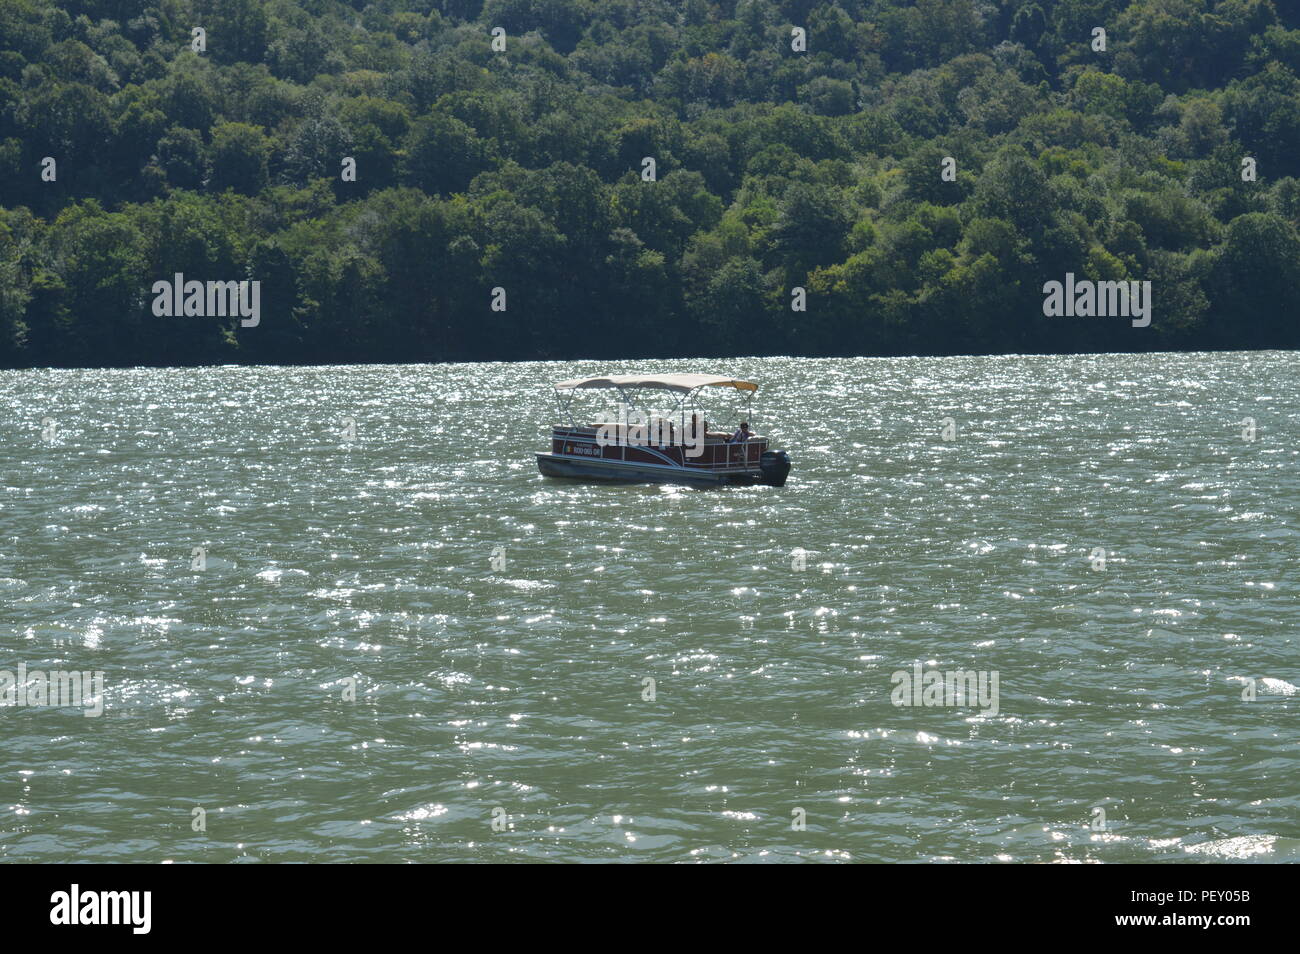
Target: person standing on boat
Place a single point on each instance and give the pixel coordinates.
(742, 434)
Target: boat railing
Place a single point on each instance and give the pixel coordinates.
(736, 456)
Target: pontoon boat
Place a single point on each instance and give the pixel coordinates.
(641, 446)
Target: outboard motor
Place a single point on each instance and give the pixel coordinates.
(775, 465)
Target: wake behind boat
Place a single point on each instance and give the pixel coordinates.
(640, 445)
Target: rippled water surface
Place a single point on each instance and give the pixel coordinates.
(523, 687)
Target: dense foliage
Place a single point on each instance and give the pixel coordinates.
(522, 169)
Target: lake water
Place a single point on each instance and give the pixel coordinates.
(499, 627)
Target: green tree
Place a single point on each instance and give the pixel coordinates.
(443, 154)
(181, 156)
(240, 155)
(1255, 272)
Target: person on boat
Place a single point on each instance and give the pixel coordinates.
(697, 426)
(742, 434)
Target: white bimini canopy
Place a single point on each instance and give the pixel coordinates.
(664, 382)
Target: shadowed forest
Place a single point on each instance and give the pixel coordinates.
(795, 144)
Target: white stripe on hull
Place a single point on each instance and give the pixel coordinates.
(555, 465)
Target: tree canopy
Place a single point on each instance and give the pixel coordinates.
(643, 178)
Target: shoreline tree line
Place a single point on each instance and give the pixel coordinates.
(919, 169)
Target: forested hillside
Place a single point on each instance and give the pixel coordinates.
(795, 144)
